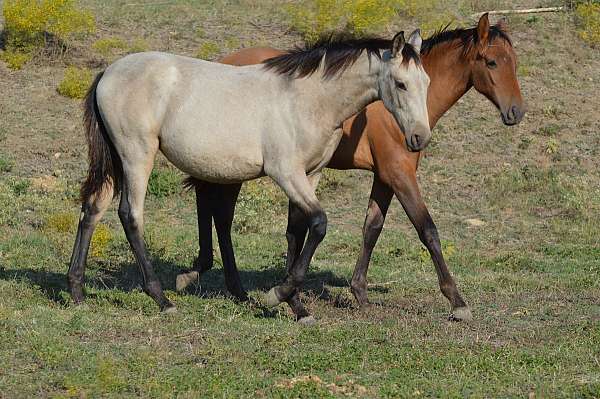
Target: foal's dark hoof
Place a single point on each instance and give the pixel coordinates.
(184, 279)
(461, 314)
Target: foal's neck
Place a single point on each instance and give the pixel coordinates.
(450, 75)
(345, 94)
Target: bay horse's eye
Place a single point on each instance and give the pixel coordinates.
(400, 85)
(491, 64)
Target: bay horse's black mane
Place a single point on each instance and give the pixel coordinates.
(338, 51)
(467, 37)
(341, 51)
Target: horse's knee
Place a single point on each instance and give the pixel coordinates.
(430, 237)
(319, 225)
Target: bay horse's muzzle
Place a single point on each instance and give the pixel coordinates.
(513, 115)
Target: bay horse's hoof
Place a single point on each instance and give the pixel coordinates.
(185, 279)
(461, 314)
(271, 299)
(307, 321)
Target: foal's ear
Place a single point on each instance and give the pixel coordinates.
(416, 40)
(483, 31)
(398, 43)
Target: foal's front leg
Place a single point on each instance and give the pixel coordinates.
(300, 190)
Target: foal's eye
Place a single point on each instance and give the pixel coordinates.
(400, 85)
(491, 64)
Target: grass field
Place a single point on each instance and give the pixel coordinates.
(531, 272)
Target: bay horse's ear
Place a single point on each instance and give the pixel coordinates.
(483, 31)
(398, 43)
(416, 40)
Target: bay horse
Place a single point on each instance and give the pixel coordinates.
(228, 124)
(455, 60)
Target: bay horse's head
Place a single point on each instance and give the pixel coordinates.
(494, 70)
(403, 89)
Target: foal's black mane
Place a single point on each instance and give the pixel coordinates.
(338, 51)
(467, 37)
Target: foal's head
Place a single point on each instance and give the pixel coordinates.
(403, 88)
(494, 70)
(401, 82)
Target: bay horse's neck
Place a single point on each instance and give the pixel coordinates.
(450, 75)
(343, 95)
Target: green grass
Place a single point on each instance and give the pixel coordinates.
(530, 273)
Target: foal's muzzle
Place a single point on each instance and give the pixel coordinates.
(418, 140)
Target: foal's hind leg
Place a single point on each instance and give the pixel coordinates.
(407, 191)
(131, 213)
(91, 213)
(301, 192)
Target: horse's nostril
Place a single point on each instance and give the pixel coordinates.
(416, 141)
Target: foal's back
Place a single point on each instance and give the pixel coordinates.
(207, 118)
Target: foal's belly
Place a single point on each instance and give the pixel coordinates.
(215, 158)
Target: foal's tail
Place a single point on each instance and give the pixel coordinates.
(105, 164)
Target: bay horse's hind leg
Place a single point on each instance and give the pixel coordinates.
(204, 210)
(91, 212)
(300, 190)
(131, 213)
(407, 191)
(204, 262)
(223, 210)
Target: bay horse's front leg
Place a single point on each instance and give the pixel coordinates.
(407, 192)
(300, 190)
(379, 202)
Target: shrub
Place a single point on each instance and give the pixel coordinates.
(75, 83)
(20, 187)
(5, 164)
(105, 47)
(15, 59)
(138, 46)
(63, 222)
(207, 51)
(164, 182)
(588, 16)
(29, 23)
(100, 240)
(317, 17)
